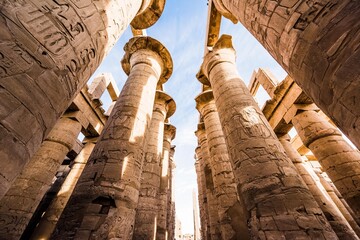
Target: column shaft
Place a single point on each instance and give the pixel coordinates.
(148, 206)
(337, 221)
(317, 43)
(105, 198)
(171, 211)
(338, 159)
(233, 224)
(22, 199)
(272, 191)
(49, 50)
(212, 201)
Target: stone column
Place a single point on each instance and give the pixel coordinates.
(202, 195)
(163, 195)
(171, 211)
(233, 223)
(338, 159)
(48, 222)
(213, 206)
(105, 198)
(147, 214)
(22, 199)
(316, 42)
(49, 50)
(337, 221)
(272, 191)
(339, 202)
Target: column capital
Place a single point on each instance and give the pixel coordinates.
(150, 11)
(169, 132)
(149, 43)
(200, 133)
(203, 102)
(167, 100)
(224, 11)
(223, 51)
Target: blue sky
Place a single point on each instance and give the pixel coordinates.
(181, 29)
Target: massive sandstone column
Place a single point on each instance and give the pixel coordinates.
(20, 202)
(48, 51)
(233, 224)
(105, 198)
(170, 220)
(48, 221)
(272, 191)
(204, 214)
(337, 221)
(165, 187)
(147, 212)
(213, 206)
(317, 43)
(338, 159)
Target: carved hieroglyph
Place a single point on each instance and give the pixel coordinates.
(105, 198)
(317, 43)
(272, 191)
(48, 51)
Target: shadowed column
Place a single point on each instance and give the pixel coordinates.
(147, 213)
(213, 206)
(233, 224)
(20, 202)
(204, 214)
(317, 43)
(278, 203)
(105, 198)
(48, 222)
(338, 159)
(337, 221)
(49, 50)
(165, 187)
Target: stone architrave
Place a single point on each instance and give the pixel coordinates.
(317, 43)
(337, 221)
(165, 187)
(49, 50)
(21, 200)
(48, 222)
(201, 195)
(147, 211)
(233, 223)
(212, 201)
(104, 201)
(337, 158)
(277, 202)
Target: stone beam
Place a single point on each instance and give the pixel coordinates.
(212, 26)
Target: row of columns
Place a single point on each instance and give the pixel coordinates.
(119, 194)
(274, 200)
(49, 50)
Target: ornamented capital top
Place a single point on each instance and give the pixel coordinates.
(170, 104)
(149, 13)
(202, 100)
(223, 51)
(169, 130)
(145, 42)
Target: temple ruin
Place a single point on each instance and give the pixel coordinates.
(256, 179)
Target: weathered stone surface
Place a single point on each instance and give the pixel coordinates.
(112, 175)
(317, 43)
(147, 218)
(268, 182)
(231, 226)
(25, 194)
(338, 159)
(337, 221)
(49, 49)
